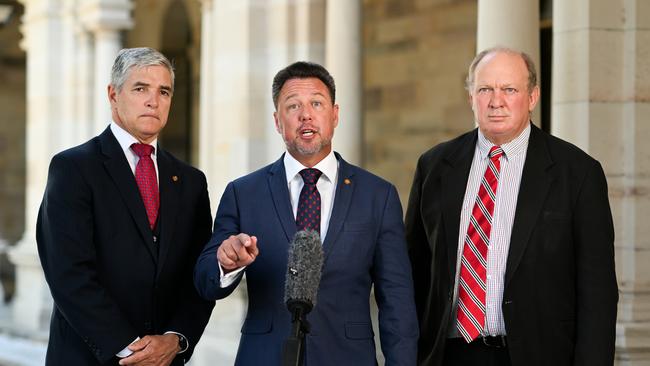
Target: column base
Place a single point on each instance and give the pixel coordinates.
(32, 304)
(633, 344)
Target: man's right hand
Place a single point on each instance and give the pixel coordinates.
(237, 251)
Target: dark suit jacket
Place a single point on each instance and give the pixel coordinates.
(364, 246)
(109, 282)
(560, 292)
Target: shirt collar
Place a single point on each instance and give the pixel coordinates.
(328, 166)
(125, 139)
(510, 149)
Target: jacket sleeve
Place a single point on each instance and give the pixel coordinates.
(64, 234)
(206, 272)
(193, 313)
(398, 325)
(596, 287)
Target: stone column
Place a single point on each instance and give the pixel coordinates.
(343, 60)
(44, 32)
(224, 151)
(601, 102)
(105, 19)
(510, 23)
(224, 145)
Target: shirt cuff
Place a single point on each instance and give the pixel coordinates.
(126, 352)
(227, 279)
(187, 342)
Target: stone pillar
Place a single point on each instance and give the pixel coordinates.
(54, 49)
(224, 119)
(601, 100)
(105, 19)
(224, 145)
(510, 23)
(44, 32)
(343, 60)
(83, 92)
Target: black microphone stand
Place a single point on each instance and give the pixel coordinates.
(294, 347)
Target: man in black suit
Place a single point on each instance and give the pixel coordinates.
(511, 237)
(119, 230)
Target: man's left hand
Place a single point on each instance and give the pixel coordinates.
(155, 350)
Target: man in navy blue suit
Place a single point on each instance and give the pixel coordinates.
(360, 225)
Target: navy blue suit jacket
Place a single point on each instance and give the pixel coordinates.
(110, 282)
(364, 245)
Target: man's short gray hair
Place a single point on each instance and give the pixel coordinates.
(530, 65)
(138, 57)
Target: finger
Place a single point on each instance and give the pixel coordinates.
(133, 359)
(243, 239)
(231, 253)
(140, 344)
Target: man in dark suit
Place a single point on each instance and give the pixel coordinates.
(360, 222)
(119, 230)
(510, 236)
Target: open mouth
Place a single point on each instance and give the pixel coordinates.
(307, 132)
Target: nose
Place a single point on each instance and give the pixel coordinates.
(152, 101)
(496, 99)
(306, 112)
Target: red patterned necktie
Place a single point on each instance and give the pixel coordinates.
(472, 285)
(308, 213)
(145, 176)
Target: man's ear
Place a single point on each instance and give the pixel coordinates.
(112, 93)
(277, 122)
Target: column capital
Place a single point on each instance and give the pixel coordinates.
(106, 15)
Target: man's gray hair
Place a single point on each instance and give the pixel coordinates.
(139, 57)
(530, 65)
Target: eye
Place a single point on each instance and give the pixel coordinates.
(483, 90)
(316, 103)
(139, 88)
(510, 90)
(165, 92)
(292, 106)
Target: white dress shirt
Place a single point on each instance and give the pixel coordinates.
(326, 186)
(512, 166)
(126, 140)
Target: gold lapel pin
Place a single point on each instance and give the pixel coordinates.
(175, 178)
(347, 181)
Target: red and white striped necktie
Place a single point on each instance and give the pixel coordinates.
(472, 285)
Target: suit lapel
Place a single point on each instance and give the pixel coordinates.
(535, 184)
(454, 184)
(118, 169)
(280, 194)
(169, 183)
(342, 198)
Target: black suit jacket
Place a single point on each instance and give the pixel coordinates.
(110, 282)
(560, 291)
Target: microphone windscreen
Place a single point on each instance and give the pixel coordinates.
(304, 266)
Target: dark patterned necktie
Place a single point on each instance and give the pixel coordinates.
(145, 176)
(472, 285)
(308, 213)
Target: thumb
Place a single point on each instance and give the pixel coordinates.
(251, 246)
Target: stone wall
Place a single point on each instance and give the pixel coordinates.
(416, 54)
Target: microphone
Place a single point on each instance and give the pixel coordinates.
(304, 267)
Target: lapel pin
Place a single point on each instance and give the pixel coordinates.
(347, 181)
(175, 178)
